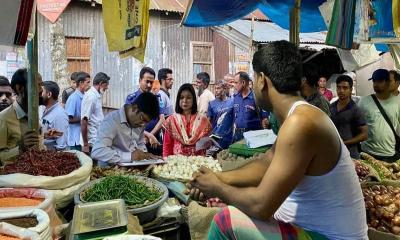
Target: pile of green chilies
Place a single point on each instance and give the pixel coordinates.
(131, 190)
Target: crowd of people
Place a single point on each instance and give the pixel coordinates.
(287, 191)
(156, 123)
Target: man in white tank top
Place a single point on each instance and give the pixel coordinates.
(305, 187)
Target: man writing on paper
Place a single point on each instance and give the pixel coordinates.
(122, 131)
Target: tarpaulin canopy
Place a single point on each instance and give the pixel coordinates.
(310, 16)
(202, 13)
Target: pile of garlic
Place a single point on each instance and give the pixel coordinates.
(183, 167)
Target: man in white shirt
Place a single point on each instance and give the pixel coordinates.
(381, 141)
(205, 95)
(92, 111)
(53, 118)
(122, 131)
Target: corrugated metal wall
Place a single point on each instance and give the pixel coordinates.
(82, 20)
(168, 45)
(221, 56)
(175, 44)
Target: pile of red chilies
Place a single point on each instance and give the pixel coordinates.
(45, 163)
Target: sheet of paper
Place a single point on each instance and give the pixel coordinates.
(141, 163)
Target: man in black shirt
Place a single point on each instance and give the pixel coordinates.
(67, 92)
(347, 117)
(309, 90)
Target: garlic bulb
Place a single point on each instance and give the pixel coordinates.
(183, 167)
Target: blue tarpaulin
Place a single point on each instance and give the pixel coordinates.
(203, 13)
(310, 17)
(381, 19)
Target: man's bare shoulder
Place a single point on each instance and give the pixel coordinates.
(305, 119)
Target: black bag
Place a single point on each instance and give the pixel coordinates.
(385, 116)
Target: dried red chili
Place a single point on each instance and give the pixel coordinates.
(46, 163)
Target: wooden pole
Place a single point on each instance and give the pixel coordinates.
(295, 23)
(33, 91)
(251, 40)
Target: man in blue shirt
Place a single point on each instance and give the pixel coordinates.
(53, 117)
(247, 115)
(73, 109)
(166, 81)
(152, 130)
(220, 114)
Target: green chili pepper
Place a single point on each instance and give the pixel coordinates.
(131, 190)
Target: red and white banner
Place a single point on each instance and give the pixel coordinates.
(52, 9)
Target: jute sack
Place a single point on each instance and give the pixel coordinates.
(199, 220)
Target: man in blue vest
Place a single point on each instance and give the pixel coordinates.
(152, 130)
(220, 114)
(247, 115)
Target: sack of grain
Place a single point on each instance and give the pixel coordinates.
(42, 227)
(62, 187)
(17, 232)
(47, 204)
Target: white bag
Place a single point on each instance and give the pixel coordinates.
(43, 228)
(65, 196)
(46, 205)
(51, 183)
(21, 233)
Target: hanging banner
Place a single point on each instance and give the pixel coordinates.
(381, 18)
(52, 9)
(126, 23)
(139, 52)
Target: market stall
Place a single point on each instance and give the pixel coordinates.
(147, 196)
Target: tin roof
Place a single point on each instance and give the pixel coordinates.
(169, 5)
(268, 32)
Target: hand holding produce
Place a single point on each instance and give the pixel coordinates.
(52, 133)
(206, 181)
(182, 167)
(194, 193)
(383, 208)
(46, 163)
(30, 139)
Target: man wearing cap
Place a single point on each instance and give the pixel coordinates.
(381, 139)
(5, 93)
